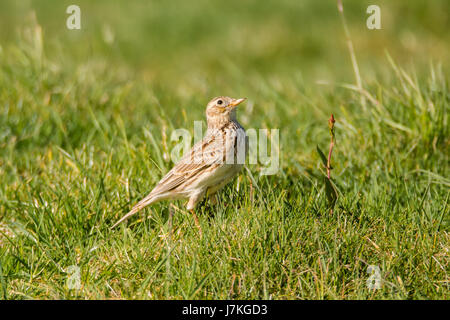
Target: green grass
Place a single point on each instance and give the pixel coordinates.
(85, 133)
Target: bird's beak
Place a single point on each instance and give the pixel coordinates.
(235, 102)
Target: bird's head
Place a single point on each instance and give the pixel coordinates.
(221, 110)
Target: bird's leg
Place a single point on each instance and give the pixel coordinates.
(213, 199)
(170, 221)
(196, 221)
(191, 205)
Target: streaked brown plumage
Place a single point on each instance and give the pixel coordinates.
(209, 165)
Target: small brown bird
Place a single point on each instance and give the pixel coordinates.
(209, 165)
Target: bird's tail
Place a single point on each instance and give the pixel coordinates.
(138, 207)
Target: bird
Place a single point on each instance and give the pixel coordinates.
(208, 166)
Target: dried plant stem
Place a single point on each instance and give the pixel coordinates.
(329, 159)
(331, 122)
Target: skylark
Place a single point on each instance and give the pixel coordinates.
(209, 165)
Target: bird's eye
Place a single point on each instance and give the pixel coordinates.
(219, 102)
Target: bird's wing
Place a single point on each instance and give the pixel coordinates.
(203, 156)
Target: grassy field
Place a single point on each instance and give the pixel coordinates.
(86, 118)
